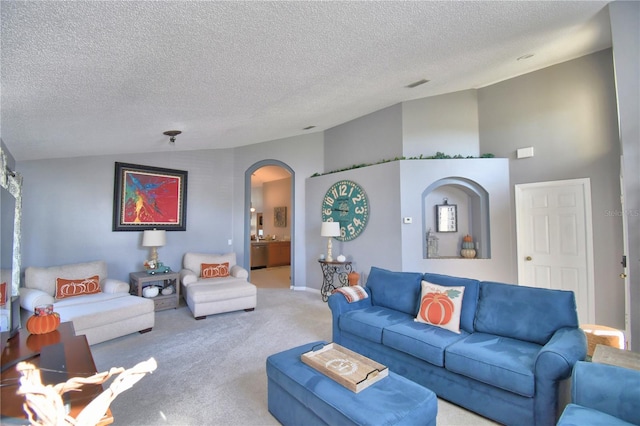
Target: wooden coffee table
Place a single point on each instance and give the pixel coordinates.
(64, 352)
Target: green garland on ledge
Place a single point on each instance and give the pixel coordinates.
(438, 156)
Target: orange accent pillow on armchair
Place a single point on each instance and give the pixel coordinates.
(69, 288)
(214, 270)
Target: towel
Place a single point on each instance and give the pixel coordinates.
(353, 293)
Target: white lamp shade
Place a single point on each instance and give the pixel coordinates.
(154, 238)
(330, 229)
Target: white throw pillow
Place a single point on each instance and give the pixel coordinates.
(441, 306)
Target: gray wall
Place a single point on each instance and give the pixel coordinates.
(567, 112)
(446, 123)
(379, 244)
(67, 210)
(625, 26)
(304, 155)
(368, 139)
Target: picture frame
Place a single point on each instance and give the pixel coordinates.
(446, 217)
(146, 197)
(280, 217)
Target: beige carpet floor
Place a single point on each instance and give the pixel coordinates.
(212, 371)
(278, 277)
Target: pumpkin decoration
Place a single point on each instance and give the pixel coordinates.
(353, 278)
(42, 324)
(468, 247)
(436, 308)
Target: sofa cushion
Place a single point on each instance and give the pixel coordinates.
(213, 270)
(77, 287)
(441, 306)
(369, 323)
(94, 310)
(399, 291)
(540, 312)
(498, 361)
(470, 300)
(45, 278)
(577, 415)
(423, 341)
(194, 261)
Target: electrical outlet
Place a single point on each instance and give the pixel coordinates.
(230, 242)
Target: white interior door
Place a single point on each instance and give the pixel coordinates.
(554, 239)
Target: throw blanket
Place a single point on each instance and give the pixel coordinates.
(353, 293)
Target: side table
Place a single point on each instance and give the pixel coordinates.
(331, 271)
(139, 280)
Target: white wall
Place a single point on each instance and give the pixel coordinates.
(492, 174)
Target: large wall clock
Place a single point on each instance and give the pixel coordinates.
(347, 203)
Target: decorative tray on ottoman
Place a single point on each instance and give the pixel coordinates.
(350, 369)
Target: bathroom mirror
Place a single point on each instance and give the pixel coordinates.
(10, 210)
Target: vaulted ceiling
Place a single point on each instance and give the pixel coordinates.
(85, 78)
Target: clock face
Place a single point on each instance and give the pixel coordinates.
(347, 203)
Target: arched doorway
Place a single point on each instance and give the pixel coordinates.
(270, 223)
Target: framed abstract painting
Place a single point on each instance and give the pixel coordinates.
(147, 197)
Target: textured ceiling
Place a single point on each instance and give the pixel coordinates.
(93, 78)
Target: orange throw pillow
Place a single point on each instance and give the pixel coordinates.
(3, 293)
(214, 270)
(69, 288)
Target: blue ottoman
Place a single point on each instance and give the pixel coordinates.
(300, 395)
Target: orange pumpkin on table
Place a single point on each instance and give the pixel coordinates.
(42, 324)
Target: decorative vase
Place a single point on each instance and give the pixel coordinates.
(42, 324)
(353, 278)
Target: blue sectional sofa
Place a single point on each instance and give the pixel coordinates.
(514, 347)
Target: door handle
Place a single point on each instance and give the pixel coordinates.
(528, 258)
(623, 275)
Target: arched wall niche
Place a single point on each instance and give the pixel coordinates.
(472, 202)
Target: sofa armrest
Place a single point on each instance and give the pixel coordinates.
(31, 297)
(239, 272)
(556, 359)
(187, 276)
(111, 285)
(607, 388)
(339, 305)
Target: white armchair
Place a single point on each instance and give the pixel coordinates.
(101, 312)
(214, 283)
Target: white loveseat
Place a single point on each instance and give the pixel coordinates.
(110, 313)
(227, 288)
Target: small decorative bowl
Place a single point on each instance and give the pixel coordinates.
(167, 291)
(151, 291)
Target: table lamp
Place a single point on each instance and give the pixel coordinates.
(154, 238)
(330, 230)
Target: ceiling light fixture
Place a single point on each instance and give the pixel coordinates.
(172, 135)
(417, 83)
